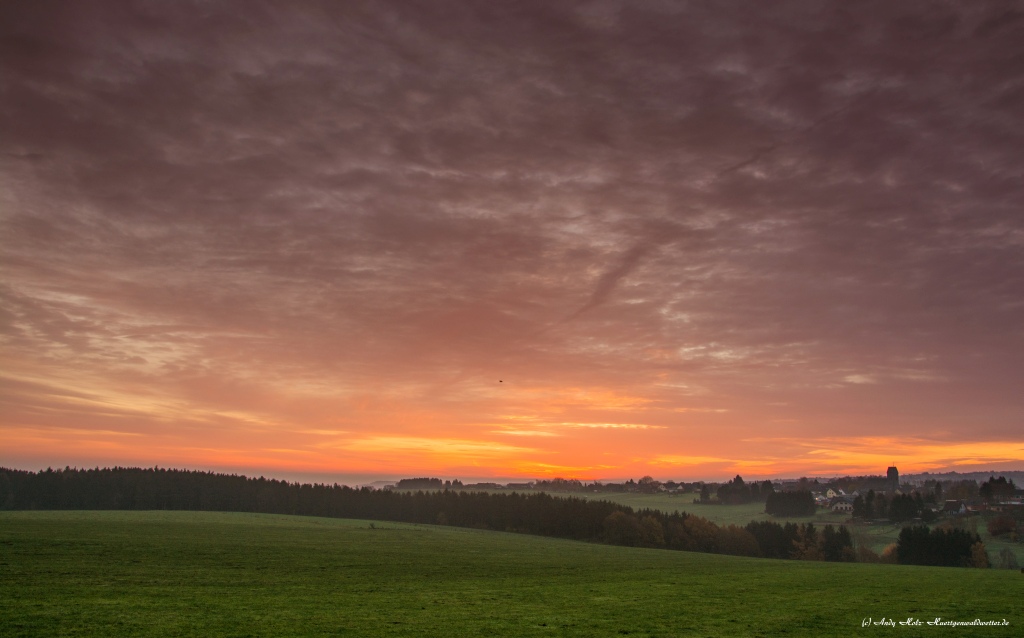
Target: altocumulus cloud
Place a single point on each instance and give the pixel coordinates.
(267, 218)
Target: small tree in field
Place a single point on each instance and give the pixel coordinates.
(1002, 524)
(888, 554)
(705, 494)
(866, 555)
(1007, 559)
(979, 557)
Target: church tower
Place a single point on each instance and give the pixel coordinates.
(893, 477)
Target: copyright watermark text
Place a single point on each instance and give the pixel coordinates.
(936, 622)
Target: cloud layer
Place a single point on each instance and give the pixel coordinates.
(231, 227)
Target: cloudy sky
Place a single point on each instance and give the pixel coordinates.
(514, 239)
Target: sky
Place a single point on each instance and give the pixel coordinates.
(536, 239)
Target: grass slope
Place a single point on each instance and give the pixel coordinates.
(720, 514)
(208, 574)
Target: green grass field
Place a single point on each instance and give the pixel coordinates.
(210, 574)
(721, 514)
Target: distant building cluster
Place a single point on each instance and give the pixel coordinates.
(862, 497)
(889, 499)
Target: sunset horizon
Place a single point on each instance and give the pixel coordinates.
(589, 240)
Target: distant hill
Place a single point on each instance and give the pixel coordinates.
(1017, 476)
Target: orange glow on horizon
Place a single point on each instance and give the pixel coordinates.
(569, 455)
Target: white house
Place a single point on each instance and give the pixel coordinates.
(842, 506)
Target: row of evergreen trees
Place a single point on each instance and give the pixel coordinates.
(899, 508)
(919, 545)
(799, 503)
(803, 542)
(737, 491)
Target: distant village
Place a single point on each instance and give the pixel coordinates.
(922, 496)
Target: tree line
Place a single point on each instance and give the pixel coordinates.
(530, 513)
(995, 489)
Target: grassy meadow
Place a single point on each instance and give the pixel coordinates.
(210, 574)
(720, 514)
